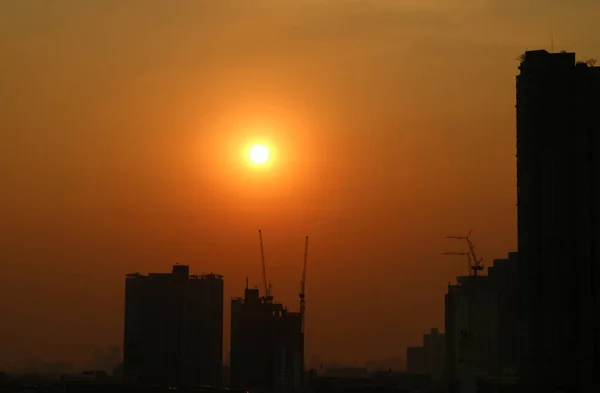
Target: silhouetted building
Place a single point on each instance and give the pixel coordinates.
(267, 344)
(85, 376)
(503, 277)
(105, 360)
(173, 328)
(558, 195)
(455, 321)
(346, 372)
(40, 367)
(415, 360)
(468, 323)
(434, 344)
(394, 364)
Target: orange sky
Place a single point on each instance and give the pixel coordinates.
(121, 124)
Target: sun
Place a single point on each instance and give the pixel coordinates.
(259, 154)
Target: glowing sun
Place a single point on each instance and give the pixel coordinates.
(259, 154)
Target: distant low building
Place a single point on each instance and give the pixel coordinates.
(415, 360)
(346, 372)
(86, 376)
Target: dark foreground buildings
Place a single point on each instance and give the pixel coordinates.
(482, 326)
(429, 359)
(504, 322)
(173, 328)
(415, 360)
(468, 330)
(267, 344)
(558, 193)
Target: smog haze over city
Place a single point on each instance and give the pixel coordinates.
(389, 125)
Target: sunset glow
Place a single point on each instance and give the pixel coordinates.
(136, 138)
(259, 154)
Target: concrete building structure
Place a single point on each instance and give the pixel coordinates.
(558, 195)
(434, 345)
(415, 360)
(503, 276)
(429, 358)
(482, 325)
(468, 320)
(173, 328)
(267, 345)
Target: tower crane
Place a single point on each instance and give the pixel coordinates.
(268, 286)
(462, 253)
(303, 283)
(476, 263)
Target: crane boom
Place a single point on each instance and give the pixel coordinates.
(475, 263)
(303, 283)
(264, 266)
(462, 253)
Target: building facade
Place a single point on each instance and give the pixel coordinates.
(558, 195)
(469, 318)
(173, 328)
(415, 360)
(434, 344)
(503, 276)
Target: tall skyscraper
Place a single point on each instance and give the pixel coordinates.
(267, 345)
(558, 194)
(173, 328)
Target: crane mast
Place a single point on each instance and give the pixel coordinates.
(267, 287)
(462, 253)
(303, 283)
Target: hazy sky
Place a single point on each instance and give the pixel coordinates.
(122, 126)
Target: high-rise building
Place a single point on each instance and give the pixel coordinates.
(434, 344)
(468, 321)
(173, 328)
(267, 344)
(558, 195)
(504, 316)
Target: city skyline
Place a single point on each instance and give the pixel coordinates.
(116, 154)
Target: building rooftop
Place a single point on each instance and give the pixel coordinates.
(182, 270)
(562, 58)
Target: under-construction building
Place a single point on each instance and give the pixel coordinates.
(267, 341)
(482, 324)
(469, 323)
(468, 328)
(173, 328)
(267, 344)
